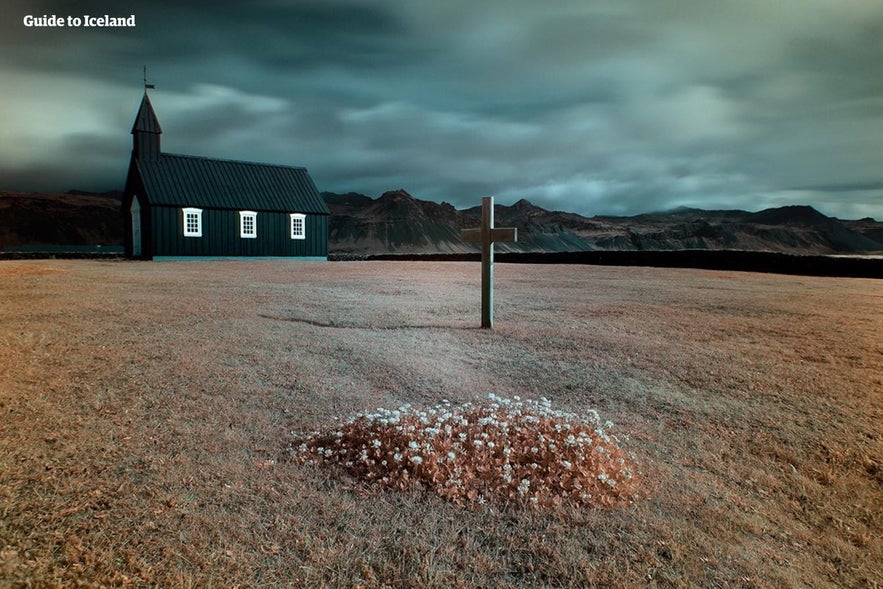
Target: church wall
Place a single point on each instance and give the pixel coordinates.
(220, 235)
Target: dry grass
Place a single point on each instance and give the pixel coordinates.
(148, 410)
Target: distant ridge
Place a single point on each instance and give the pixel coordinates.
(398, 223)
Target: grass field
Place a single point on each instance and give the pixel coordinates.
(149, 412)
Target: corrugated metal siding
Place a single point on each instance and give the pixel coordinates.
(177, 180)
(220, 235)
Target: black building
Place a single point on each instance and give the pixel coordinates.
(180, 206)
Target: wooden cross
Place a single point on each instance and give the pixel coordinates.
(487, 234)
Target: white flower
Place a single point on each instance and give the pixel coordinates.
(413, 445)
(451, 456)
(416, 459)
(375, 443)
(524, 486)
(397, 457)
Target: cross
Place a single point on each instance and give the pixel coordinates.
(487, 234)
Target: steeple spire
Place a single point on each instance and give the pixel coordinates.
(146, 131)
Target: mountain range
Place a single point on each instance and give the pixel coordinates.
(396, 222)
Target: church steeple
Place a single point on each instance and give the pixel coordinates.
(146, 132)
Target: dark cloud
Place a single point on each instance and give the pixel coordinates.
(595, 107)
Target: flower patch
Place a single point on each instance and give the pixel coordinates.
(505, 451)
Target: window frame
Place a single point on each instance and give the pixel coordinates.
(243, 217)
(197, 215)
(302, 234)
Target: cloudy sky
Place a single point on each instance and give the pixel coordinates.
(591, 106)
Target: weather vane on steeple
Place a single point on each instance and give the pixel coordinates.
(146, 85)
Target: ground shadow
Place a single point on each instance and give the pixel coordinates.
(344, 325)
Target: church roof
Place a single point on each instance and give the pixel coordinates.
(146, 120)
(188, 181)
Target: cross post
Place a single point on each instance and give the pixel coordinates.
(487, 234)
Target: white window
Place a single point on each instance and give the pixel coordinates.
(192, 222)
(248, 224)
(298, 226)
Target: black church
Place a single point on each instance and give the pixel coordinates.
(187, 207)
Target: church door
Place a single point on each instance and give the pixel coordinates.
(136, 227)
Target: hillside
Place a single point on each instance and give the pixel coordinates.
(396, 222)
(74, 218)
(399, 223)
